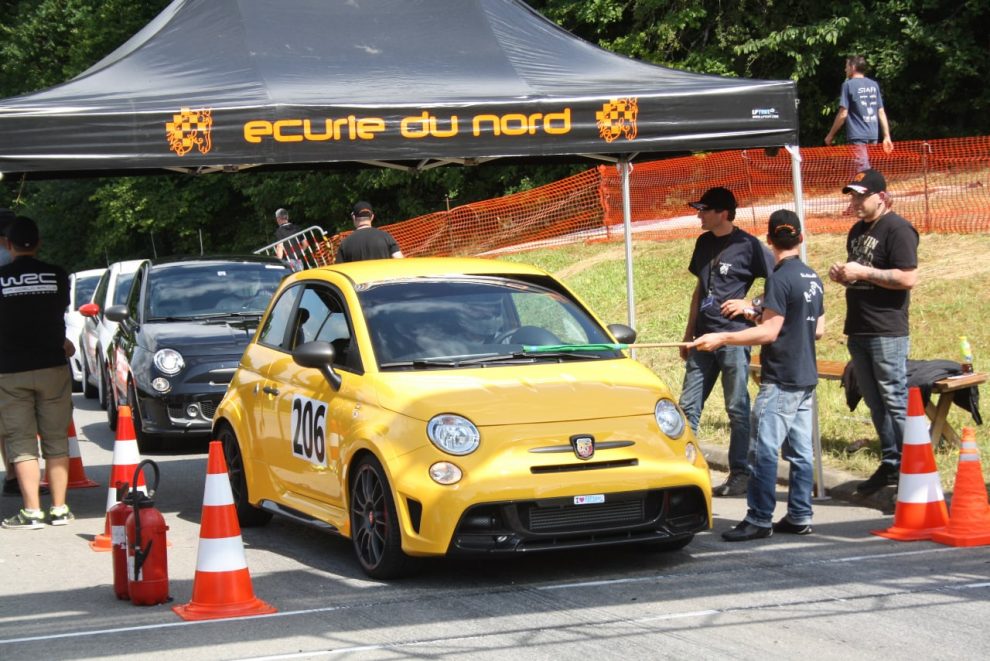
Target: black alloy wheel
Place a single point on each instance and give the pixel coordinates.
(248, 515)
(374, 523)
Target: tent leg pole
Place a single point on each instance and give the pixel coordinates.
(816, 437)
(624, 168)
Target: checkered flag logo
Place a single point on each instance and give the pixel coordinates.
(188, 129)
(618, 117)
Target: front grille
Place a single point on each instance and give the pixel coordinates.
(209, 408)
(575, 517)
(584, 466)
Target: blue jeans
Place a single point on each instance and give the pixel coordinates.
(880, 365)
(782, 418)
(701, 370)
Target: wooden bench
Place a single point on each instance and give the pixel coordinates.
(937, 411)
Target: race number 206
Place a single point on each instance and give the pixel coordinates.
(309, 430)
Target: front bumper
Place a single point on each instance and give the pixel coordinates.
(552, 524)
(178, 415)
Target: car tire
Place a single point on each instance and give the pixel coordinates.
(248, 515)
(89, 390)
(146, 442)
(375, 529)
(111, 400)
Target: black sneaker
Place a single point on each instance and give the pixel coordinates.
(884, 476)
(745, 531)
(60, 517)
(24, 521)
(785, 525)
(735, 485)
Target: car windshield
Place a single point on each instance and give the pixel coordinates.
(85, 286)
(212, 289)
(475, 321)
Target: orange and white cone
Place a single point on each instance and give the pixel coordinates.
(920, 509)
(222, 585)
(969, 515)
(77, 472)
(126, 458)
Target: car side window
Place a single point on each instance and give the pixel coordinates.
(134, 295)
(101, 291)
(273, 332)
(322, 317)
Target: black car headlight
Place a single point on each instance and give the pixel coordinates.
(169, 361)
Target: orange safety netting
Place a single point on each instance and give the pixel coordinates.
(939, 185)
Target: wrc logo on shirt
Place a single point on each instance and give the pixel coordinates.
(29, 283)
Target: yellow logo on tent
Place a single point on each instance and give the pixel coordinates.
(618, 117)
(188, 129)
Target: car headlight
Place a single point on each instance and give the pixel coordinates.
(669, 418)
(453, 434)
(169, 361)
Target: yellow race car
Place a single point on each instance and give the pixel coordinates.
(437, 406)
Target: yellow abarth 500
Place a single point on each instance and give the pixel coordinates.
(432, 406)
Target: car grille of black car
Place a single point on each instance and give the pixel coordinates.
(535, 525)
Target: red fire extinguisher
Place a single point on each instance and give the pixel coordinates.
(118, 538)
(147, 560)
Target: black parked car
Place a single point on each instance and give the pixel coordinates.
(180, 338)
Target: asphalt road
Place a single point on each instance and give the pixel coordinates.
(840, 593)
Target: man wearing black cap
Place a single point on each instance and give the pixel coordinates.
(792, 317)
(726, 261)
(366, 242)
(880, 271)
(35, 383)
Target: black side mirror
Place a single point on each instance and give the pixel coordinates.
(320, 356)
(117, 313)
(623, 334)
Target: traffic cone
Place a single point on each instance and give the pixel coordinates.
(969, 516)
(920, 509)
(222, 585)
(77, 472)
(126, 458)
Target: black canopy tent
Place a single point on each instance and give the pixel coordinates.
(228, 84)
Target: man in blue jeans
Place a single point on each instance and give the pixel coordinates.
(880, 271)
(792, 317)
(726, 261)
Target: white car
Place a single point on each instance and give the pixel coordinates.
(98, 331)
(82, 284)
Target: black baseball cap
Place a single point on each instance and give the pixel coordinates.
(718, 198)
(867, 181)
(362, 209)
(23, 232)
(784, 222)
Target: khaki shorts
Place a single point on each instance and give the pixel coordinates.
(36, 404)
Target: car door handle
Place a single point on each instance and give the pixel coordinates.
(270, 391)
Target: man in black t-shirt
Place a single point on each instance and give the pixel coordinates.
(366, 242)
(292, 252)
(880, 271)
(792, 317)
(35, 383)
(726, 261)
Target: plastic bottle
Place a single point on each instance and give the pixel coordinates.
(967, 354)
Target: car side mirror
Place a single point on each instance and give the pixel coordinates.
(89, 309)
(320, 356)
(623, 334)
(117, 313)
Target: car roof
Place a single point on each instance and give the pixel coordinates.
(378, 270)
(88, 272)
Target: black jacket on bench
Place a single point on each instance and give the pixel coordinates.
(922, 373)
